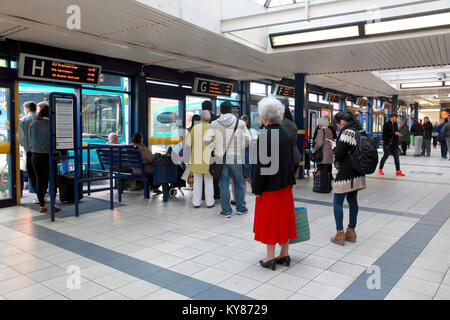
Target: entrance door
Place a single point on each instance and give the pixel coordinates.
(8, 196)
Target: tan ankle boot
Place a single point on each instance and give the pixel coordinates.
(350, 235)
(339, 238)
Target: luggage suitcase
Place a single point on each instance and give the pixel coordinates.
(316, 185)
(66, 186)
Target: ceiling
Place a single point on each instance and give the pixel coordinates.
(131, 30)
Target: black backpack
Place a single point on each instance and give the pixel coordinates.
(364, 158)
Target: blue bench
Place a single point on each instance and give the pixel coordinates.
(118, 160)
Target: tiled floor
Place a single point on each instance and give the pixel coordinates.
(153, 250)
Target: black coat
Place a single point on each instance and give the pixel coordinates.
(389, 137)
(416, 129)
(285, 174)
(428, 130)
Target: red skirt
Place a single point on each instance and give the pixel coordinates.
(275, 217)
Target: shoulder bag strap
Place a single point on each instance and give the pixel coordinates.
(232, 136)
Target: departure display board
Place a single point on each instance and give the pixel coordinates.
(387, 106)
(283, 91)
(363, 102)
(212, 87)
(43, 68)
(331, 97)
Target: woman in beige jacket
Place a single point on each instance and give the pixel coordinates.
(325, 166)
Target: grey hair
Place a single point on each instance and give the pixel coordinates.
(324, 122)
(206, 116)
(111, 136)
(271, 109)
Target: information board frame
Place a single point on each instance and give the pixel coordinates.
(289, 89)
(54, 123)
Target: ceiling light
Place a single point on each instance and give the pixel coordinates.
(420, 85)
(408, 24)
(323, 35)
(430, 110)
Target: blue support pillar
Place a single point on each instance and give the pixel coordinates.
(416, 111)
(343, 105)
(369, 121)
(394, 108)
(300, 105)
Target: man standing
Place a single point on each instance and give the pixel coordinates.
(229, 136)
(405, 138)
(390, 144)
(427, 136)
(446, 134)
(442, 139)
(23, 136)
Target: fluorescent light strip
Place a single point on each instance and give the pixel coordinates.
(418, 85)
(423, 22)
(315, 36)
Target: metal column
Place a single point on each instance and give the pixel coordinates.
(416, 111)
(394, 108)
(300, 104)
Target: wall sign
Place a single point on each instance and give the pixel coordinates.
(212, 87)
(43, 68)
(283, 91)
(387, 106)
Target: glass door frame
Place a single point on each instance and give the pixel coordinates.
(13, 147)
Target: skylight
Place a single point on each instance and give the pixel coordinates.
(275, 3)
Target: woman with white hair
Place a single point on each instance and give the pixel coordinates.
(199, 161)
(325, 165)
(272, 184)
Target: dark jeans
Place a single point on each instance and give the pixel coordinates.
(338, 204)
(390, 150)
(444, 148)
(325, 178)
(31, 171)
(41, 165)
(404, 147)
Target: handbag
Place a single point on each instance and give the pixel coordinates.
(316, 185)
(215, 169)
(302, 224)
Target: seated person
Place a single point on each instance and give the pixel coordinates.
(147, 159)
(113, 138)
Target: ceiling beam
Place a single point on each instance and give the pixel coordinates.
(315, 10)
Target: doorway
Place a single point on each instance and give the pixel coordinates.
(8, 176)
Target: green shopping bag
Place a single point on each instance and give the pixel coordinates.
(302, 224)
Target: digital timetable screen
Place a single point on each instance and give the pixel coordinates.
(283, 91)
(43, 68)
(330, 97)
(212, 88)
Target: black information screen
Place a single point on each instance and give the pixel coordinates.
(213, 88)
(42, 68)
(283, 91)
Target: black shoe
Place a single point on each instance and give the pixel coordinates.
(225, 215)
(233, 202)
(269, 264)
(242, 212)
(157, 191)
(285, 260)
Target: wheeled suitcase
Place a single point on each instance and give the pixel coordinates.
(66, 186)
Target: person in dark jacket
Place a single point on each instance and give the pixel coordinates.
(417, 131)
(348, 181)
(272, 184)
(442, 140)
(406, 136)
(427, 136)
(391, 140)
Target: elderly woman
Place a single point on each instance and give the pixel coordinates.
(199, 161)
(325, 165)
(272, 184)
